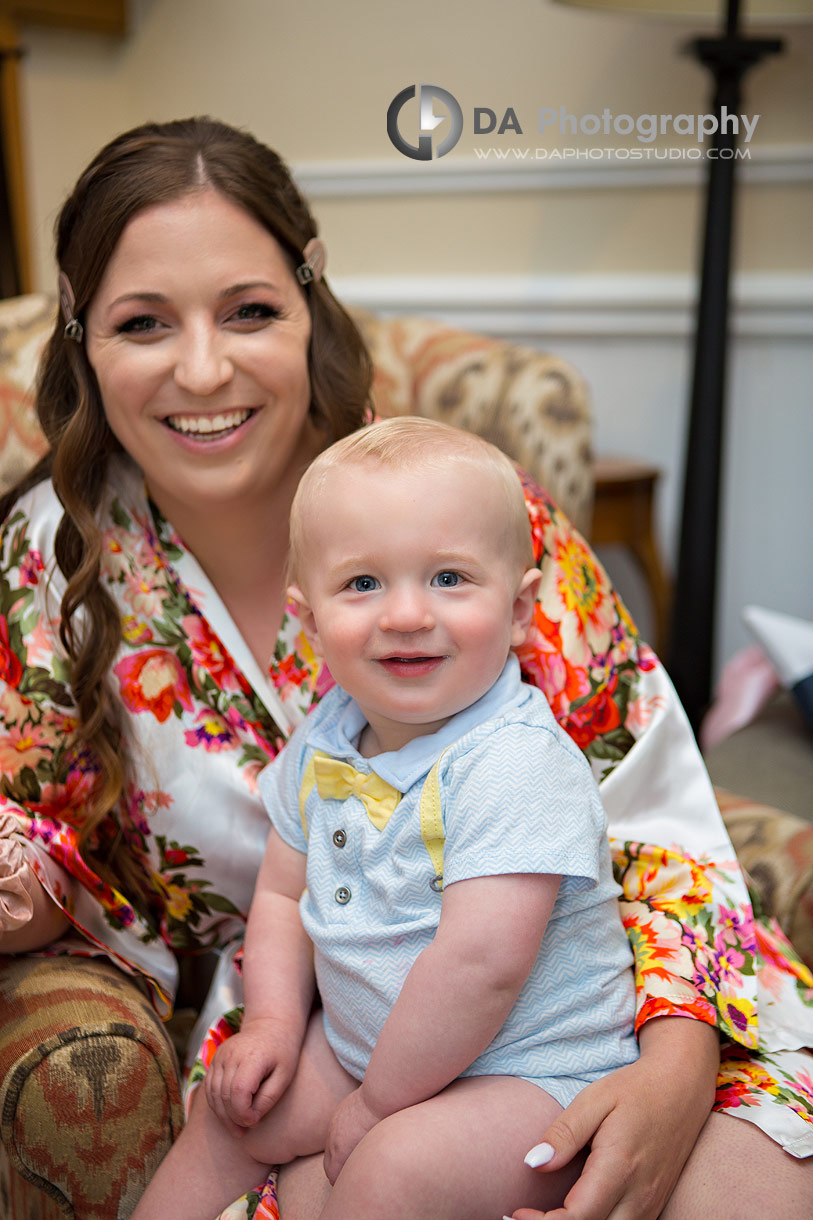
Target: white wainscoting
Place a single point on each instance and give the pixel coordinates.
(548, 170)
(631, 337)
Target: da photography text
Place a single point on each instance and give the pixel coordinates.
(415, 113)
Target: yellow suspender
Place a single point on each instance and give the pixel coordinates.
(308, 782)
(431, 816)
(432, 824)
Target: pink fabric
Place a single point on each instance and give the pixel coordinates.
(746, 684)
(16, 905)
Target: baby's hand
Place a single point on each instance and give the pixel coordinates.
(351, 1121)
(250, 1072)
(16, 903)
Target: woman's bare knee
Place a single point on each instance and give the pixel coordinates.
(302, 1189)
(736, 1172)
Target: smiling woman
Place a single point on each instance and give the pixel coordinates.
(198, 336)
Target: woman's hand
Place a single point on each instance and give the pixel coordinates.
(642, 1122)
(351, 1121)
(250, 1072)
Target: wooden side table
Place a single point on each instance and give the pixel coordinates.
(623, 514)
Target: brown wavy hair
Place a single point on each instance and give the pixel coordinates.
(153, 164)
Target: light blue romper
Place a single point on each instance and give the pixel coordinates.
(517, 796)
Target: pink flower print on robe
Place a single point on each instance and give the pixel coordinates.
(153, 681)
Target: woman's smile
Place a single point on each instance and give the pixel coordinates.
(208, 427)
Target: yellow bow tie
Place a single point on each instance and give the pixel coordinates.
(336, 780)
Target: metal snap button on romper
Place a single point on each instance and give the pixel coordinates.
(339, 838)
(342, 895)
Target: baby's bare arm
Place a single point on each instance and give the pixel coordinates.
(454, 1001)
(252, 1070)
(462, 987)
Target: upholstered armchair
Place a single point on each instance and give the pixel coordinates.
(532, 405)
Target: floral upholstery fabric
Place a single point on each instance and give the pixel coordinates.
(24, 326)
(532, 405)
(107, 1054)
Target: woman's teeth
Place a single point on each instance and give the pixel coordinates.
(207, 425)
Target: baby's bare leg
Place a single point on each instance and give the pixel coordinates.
(297, 1125)
(457, 1156)
(208, 1167)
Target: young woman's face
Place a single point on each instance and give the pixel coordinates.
(198, 336)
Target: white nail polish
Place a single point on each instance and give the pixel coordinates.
(540, 1155)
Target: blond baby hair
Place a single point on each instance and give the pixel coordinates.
(410, 442)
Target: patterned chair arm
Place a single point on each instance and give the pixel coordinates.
(90, 1096)
(25, 323)
(532, 405)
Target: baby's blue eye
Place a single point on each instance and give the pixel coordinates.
(446, 580)
(363, 584)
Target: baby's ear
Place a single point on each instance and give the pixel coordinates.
(303, 608)
(523, 610)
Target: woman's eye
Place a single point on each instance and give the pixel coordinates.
(446, 580)
(142, 324)
(363, 584)
(255, 311)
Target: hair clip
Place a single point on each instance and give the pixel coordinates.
(313, 266)
(73, 327)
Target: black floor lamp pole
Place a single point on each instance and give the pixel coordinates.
(692, 633)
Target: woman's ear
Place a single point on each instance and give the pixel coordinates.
(306, 617)
(523, 609)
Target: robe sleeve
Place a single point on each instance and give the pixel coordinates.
(46, 779)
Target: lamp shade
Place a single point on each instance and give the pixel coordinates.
(751, 11)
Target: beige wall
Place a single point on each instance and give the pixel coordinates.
(315, 79)
(595, 261)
